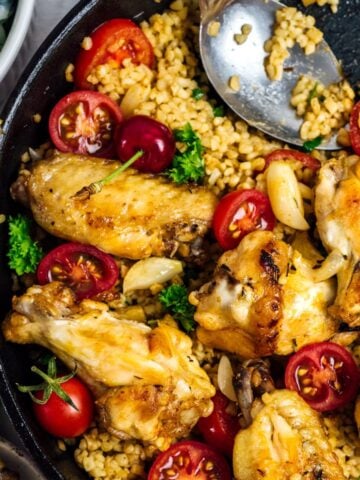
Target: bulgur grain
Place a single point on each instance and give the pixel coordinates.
(69, 72)
(2, 218)
(87, 43)
(291, 26)
(323, 109)
(333, 4)
(213, 28)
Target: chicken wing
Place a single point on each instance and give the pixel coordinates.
(135, 215)
(337, 209)
(260, 304)
(147, 383)
(286, 440)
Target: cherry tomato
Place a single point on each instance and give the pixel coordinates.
(189, 460)
(355, 128)
(286, 154)
(220, 428)
(84, 268)
(84, 122)
(112, 42)
(239, 213)
(324, 374)
(144, 133)
(61, 419)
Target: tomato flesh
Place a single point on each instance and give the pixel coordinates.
(324, 374)
(84, 122)
(84, 268)
(59, 418)
(220, 428)
(355, 128)
(239, 213)
(293, 155)
(113, 42)
(189, 460)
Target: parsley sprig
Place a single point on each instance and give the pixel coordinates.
(175, 300)
(24, 254)
(187, 166)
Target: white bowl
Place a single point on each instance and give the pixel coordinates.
(18, 30)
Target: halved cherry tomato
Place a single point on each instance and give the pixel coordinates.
(239, 213)
(220, 428)
(324, 374)
(84, 122)
(286, 154)
(84, 268)
(355, 128)
(112, 42)
(189, 460)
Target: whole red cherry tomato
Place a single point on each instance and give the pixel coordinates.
(84, 268)
(112, 42)
(324, 374)
(286, 154)
(239, 213)
(84, 122)
(61, 419)
(152, 137)
(220, 428)
(355, 128)
(189, 460)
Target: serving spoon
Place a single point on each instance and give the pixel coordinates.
(263, 103)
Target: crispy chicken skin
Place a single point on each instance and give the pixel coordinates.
(337, 209)
(258, 304)
(147, 383)
(285, 438)
(135, 215)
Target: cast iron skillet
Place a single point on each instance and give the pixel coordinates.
(41, 85)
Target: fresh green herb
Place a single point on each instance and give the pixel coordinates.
(175, 300)
(310, 145)
(219, 111)
(187, 166)
(197, 93)
(313, 92)
(24, 254)
(52, 383)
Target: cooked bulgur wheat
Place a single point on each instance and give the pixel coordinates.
(333, 4)
(106, 457)
(291, 27)
(234, 155)
(324, 109)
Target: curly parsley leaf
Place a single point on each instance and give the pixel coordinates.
(219, 111)
(187, 166)
(312, 93)
(175, 300)
(24, 254)
(310, 145)
(197, 94)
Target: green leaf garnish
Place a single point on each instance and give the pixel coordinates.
(197, 93)
(187, 166)
(310, 145)
(175, 299)
(219, 111)
(24, 254)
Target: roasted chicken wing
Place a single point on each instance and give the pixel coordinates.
(286, 440)
(337, 209)
(259, 303)
(147, 383)
(135, 215)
